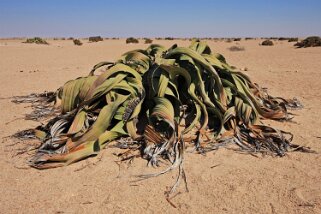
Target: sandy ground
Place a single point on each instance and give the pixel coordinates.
(239, 184)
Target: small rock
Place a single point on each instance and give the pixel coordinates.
(87, 202)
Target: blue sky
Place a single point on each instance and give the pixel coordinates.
(150, 18)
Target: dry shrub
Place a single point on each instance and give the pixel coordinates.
(169, 38)
(312, 41)
(131, 40)
(95, 39)
(148, 41)
(293, 40)
(77, 42)
(267, 43)
(37, 40)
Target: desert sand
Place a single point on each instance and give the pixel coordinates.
(223, 181)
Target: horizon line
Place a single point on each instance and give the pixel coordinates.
(158, 37)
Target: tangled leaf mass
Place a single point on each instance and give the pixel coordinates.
(164, 101)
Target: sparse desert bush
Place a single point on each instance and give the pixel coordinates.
(249, 38)
(312, 41)
(131, 40)
(236, 48)
(273, 38)
(37, 40)
(77, 42)
(237, 39)
(293, 40)
(148, 41)
(283, 38)
(169, 38)
(95, 39)
(267, 43)
(71, 38)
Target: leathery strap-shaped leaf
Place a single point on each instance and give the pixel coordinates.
(78, 122)
(191, 91)
(80, 152)
(198, 58)
(137, 60)
(70, 93)
(164, 110)
(99, 65)
(119, 67)
(101, 124)
(162, 85)
(155, 49)
(200, 47)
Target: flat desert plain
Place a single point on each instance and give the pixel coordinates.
(223, 181)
